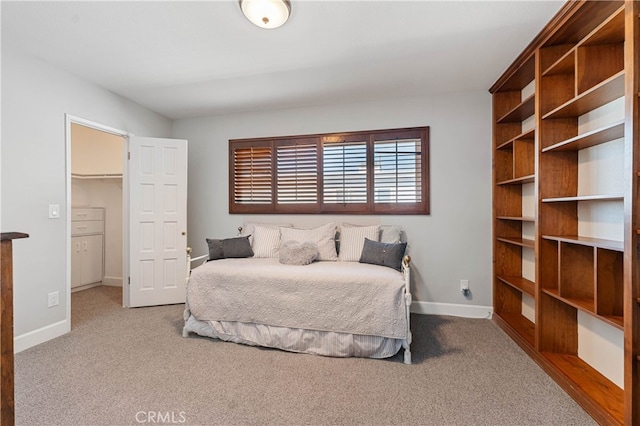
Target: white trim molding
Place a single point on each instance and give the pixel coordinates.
(41, 335)
(450, 309)
(112, 281)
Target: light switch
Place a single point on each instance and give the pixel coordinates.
(54, 211)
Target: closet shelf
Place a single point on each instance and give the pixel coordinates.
(97, 176)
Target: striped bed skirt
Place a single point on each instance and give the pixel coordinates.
(325, 343)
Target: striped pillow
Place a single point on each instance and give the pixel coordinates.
(324, 236)
(266, 241)
(352, 241)
(248, 228)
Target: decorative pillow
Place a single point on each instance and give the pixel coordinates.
(323, 236)
(266, 241)
(248, 228)
(388, 233)
(383, 254)
(352, 241)
(237, 247)
(295, 253)
(215, 249)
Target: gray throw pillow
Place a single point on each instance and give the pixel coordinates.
(383, 254)
(229, 247)
(237, 247)
(215, 249)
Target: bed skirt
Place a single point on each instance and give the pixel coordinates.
(325, 343)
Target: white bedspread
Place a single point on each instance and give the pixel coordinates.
(346, 297)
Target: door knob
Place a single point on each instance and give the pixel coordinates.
(184, 233)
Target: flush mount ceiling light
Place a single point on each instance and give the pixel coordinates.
(266, 13)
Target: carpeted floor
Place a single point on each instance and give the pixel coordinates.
(131, 366)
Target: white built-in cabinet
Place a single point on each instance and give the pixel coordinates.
(87, 246)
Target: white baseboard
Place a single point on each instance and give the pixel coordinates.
(450, 309)
(41, 335)
(112, 281)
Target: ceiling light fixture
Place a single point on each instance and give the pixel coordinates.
(266, 13)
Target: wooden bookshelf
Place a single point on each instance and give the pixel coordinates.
(522, 242)
(518, 327)
(588, 241)
(588, 139)
(518, 180)
(514, 168)
(519, 218)
(521, 111)
(589, 387)
(586, 58)
(605, 92)
(7, 380)
(519, 283)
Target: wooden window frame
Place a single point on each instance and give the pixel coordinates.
(370, 207)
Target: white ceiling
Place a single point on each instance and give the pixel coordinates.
(185, 59)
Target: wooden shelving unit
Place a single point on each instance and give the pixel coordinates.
(582, 117)
(514, 160)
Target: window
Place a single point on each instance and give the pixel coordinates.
(377, 172)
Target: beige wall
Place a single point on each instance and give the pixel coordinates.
(94, 152)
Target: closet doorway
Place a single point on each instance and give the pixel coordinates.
(96, 207)
(144, 243)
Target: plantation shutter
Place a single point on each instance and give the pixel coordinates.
(344, 173)
(251, 177)
(366, 172)
(297, 173)
(399, 164)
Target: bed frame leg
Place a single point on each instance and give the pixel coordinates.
(185, 332)
(407, 356)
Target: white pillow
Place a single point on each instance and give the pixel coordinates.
(352, 241)
(324, 236)
(389, 234)
(266, 241)
(248, 228)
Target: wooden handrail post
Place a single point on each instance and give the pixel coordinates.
(7, 412)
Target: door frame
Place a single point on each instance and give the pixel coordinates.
(69, 119)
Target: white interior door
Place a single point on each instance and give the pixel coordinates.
(157, 221)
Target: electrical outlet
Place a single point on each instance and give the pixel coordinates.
(53, 299)
(464, 287)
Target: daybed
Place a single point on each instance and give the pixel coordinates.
(336, 306)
